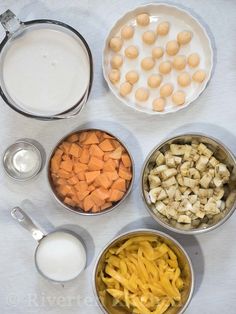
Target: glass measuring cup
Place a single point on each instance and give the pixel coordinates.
(60, 255)
(45, 84)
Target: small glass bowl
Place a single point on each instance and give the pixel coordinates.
(22, 160)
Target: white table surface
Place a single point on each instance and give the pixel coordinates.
(22, 290)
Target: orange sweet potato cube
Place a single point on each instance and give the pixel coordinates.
(91, 176)
(67, 165)
(95, 164)
(126, 160)
(106, 145)
(75, 150)
(116, 195)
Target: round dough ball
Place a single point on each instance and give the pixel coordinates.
(131, 52)
(193, 60)
(116, 61)
(199, 76)
(158, 104)
(178, 98)
(142, 94)
(184, 37)
(157, 52)
(125, 89)
(116, 44)
(166, 90)
(184, 79)
(149, 37)
(165, 67)
(114, 76)
(132, 77)
(163, 28)
(143, 19)
(154, 80)
(179, 62)
(127, 32)
(172, 47)
(147, 63)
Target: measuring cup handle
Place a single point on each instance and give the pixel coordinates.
(26, 222)
(10, 22)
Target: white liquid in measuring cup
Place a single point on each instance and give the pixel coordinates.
(46, 71)
(61, 256)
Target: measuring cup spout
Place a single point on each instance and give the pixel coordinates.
(26, 222)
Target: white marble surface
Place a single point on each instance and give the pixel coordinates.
(22, 290)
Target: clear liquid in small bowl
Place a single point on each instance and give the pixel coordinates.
(22, 161)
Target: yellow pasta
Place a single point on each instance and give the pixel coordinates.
(143, 274)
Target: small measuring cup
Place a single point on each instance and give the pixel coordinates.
(52, 246)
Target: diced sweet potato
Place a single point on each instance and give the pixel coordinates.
(75, 150)
(81, 186)
(61, 181)
(116, 154)
(91, 138)
(106, 135)
(73, 180)
(65, 157)
(58, 152)
(65, 146)
(91, 176)
(106, 156)
(95, 164)
(116, 195)
(67, 165)
(82, 136)
(97, 198)
(73, 138)
(99, 135)
(84, 157)
(79, 167)
(106, 145)
(103, 181)
(80, 204)
(81, 176)
(91, 188)
(64, 174)
(88, 203)
(112, 175)
(74, 197)
(96, 151)
(82, 195)
(69, 201)
(65, 190)
(90, 170)
(126, 160)
(116, 144)
(55, 163)
(109, 165)
(125, 174)
(106, 205)
(95, 209)
(119, 184)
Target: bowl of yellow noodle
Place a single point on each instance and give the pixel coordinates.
(143, 271)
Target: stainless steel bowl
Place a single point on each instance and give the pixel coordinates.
(222, 153)
(105, 301)
(79, 210)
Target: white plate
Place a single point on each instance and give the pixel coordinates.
(179, 20)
